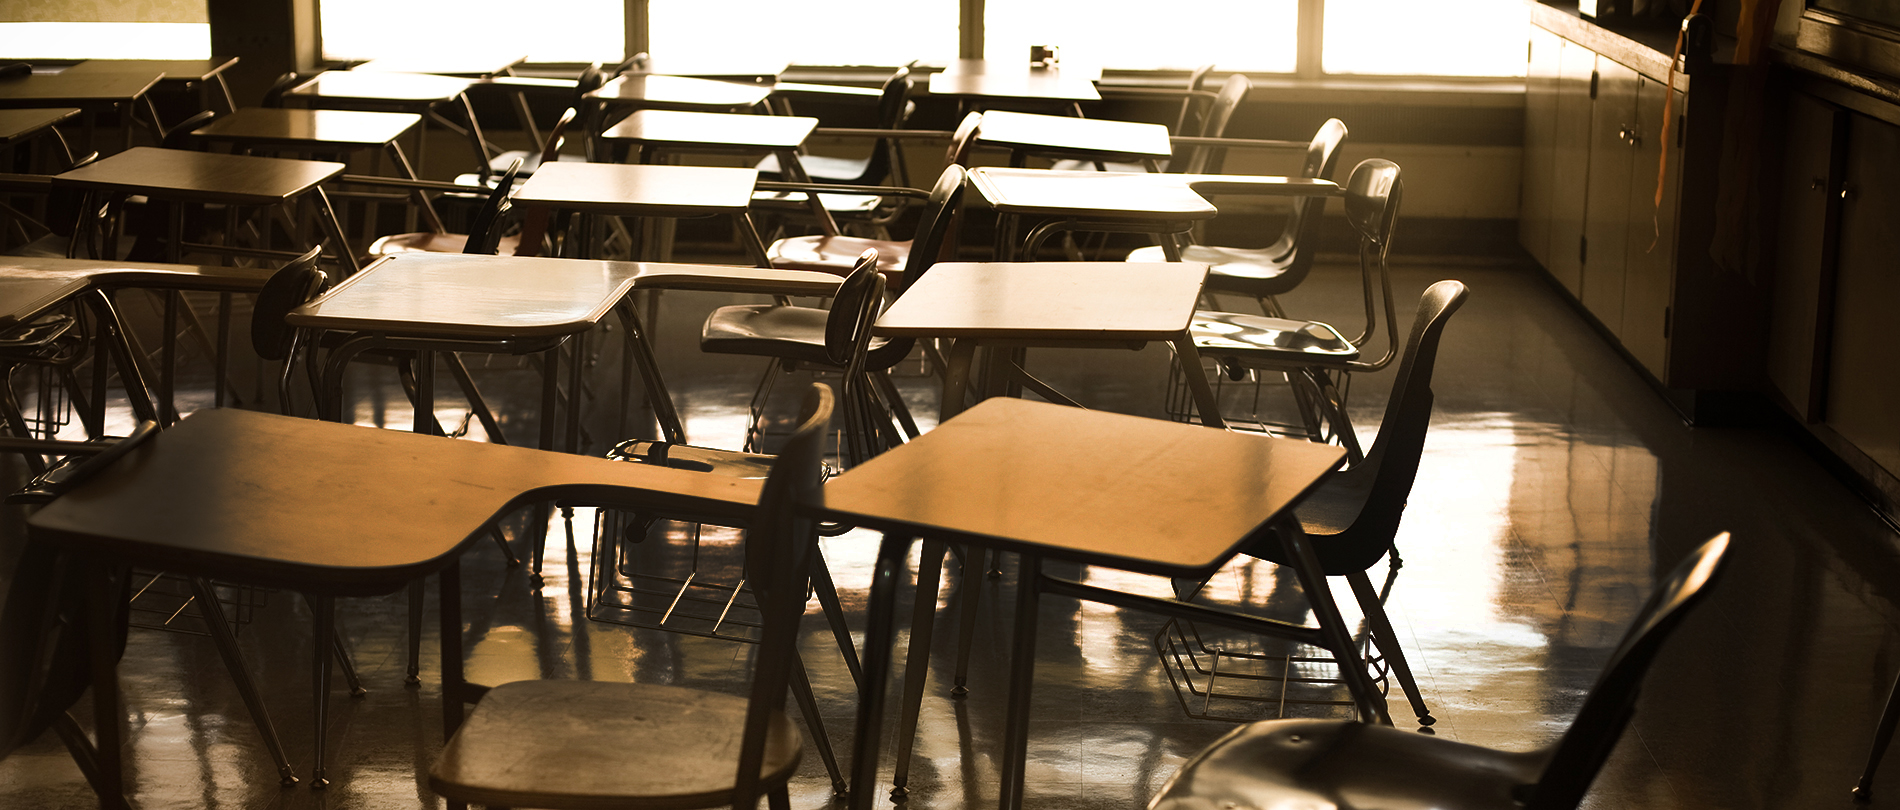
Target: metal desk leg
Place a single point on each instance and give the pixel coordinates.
(879, 632)
(917, 662)
(1022, 676)
(956, 378)
(640, 346)
(1204, 399)
(102, 599)
(323, 616)
(454, 688)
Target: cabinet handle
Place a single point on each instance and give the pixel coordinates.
(1847, 192)
(1630, 135)
(1816, 183)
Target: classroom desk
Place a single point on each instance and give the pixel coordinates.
(1068, 485)
(656, 92)
(20, 124)
(183, 75)
(87, 91)
(378, 91)
(642, 190)
(360, 512)
(652, 133)
(995, 305)
(1061, 136)
(980, 83)
(1113, 202)
(470, 63)
(338, 131)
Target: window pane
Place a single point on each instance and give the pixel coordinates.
(106, 40)
(547, 30)
(1234, 35)
(1409, 38)
(825, 32)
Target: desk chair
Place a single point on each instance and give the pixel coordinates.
(1271, 271)
(1189, 157)
(1315, 357)
(1353, 518)
(586, 744)
(1334, 764)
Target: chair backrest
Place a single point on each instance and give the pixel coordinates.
(1207, 160)
(1303, 218)
(780, 551)
(274, 95)
(1389, 468)
(893, 108)
(557, 136)
(290, 287)
(484, 229)
(934, 240)
(42, 620)
(1581, 751)
(1372, 197)
(854, 308)
(1188, 120)
(638, 63)
(16, 70)
(591, 78)
(963, 140)
(179, 136)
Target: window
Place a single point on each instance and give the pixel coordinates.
(106, 29)
(1407, 38)
(833, 32)
(1236, 35)
(546, 30)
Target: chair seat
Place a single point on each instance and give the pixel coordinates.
(729, 463)
(837, 254)
(432, 243)
(768, 330)
(1258, 338)
(1253, 271)
(821, 169)
(1308, 763)
(586, 744)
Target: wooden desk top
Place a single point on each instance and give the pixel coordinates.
(378, 86)
(675, 128)
(1120, 195)
(175, 70)
(1081, 137)
(80, 89)
(264, 125)
(201, 176)
(471, 63)
(1143, 495)
(639, 190)
(1051, 301)
(338, 509)
(20, 123)
(680, 93)
(994, 79)
(29, 286)
(516, 297)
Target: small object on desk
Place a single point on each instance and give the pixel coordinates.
(1044, 55)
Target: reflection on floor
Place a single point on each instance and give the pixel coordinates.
(1554, 488)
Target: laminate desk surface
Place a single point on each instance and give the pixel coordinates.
(201, 176)
(680, 129)
(1084, 138)
(680, 93)
(29, 286)
(1090, 194)
(1085, 486)
(175, 70)
(984, 78)
(264, 125)
(78, 89)
(639, 190)
(1048, 301)
(470, 63)
(508, 297)
(337, 509)
(334, 85)
(21, 123)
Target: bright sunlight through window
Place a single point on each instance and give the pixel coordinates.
(1407, 38)
(1234, 35)
(546, 31)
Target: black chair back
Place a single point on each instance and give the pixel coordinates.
(1207, 159)
(781, 549)
(290, 287)
(484, 230)
(1580, 753)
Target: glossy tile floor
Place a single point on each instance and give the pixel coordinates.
(1554, 488)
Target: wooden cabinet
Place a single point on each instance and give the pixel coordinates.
(1570, 165)
(1863, 373)
(1649, 272)
(1540, 138)
(1814, 139)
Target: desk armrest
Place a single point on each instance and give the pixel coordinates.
(821, 90)
(899, 134)
(841, 188)
(1260, 185)
(760, 280)
(403, 182)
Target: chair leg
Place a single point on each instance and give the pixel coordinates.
(827, 591)
(1388, 642)
(808, 706)
(917, 662)
(969, 591)
(212, 612)
(412, 676)
(1883, 734)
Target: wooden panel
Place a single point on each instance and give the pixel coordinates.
(1571, 156)
(1649, 273)
(1864, 370)
(1540, 144)
(1606, 213)
(1804, 253)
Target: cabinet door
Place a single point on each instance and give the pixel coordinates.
(1540, 133)
(1810, 179)
(1607, 210)
(1570, 154)
(1649, 267)
(1863, 378)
